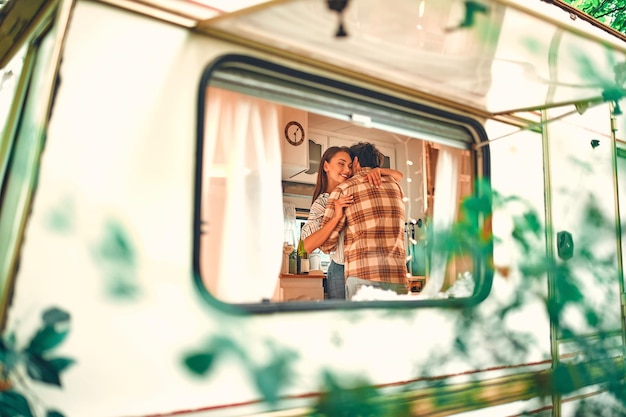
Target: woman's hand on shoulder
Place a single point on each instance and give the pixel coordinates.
(374, 177)
(341, 203)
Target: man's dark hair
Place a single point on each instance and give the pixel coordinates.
(368, 155)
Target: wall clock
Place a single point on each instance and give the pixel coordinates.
(294, 133)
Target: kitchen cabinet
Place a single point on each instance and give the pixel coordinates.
(387, 149)
(301, 287)
(317, 145)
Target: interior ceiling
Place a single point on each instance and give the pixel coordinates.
(341, 127)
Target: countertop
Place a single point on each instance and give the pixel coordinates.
(317, 274)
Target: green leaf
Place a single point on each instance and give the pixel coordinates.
(592, 318)
(532, 222)
(362, 400)
(46, 338)
(116, 244)
(42, 370)
(9, 341)
(274, 376)
(4, 351)
(54, 413)
(120, 286)
(13, 404)
(61, 363)
(54, 316)
(568, 290)
(8, 358)
(460, 345)
(199, 363)
(53, 332)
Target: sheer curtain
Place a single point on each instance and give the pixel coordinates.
(241, 246)
(444, 214)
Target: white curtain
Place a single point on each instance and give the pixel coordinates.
(243, 232)
(444, 214)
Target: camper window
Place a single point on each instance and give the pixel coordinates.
(247, 171)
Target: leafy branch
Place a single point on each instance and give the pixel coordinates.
(35, 358)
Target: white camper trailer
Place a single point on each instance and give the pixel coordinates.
(156, 156)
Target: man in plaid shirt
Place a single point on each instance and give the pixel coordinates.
(374, 248)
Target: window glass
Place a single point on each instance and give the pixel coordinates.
(8, 84)
(9, 77)
(23, 160)
(258, 123)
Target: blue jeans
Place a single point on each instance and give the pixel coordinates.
(335, 282)
(353, 284)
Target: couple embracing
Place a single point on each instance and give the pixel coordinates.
(357, 216)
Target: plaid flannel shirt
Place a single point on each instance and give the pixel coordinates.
(374, 229)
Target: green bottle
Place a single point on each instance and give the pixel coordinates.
(303, 259)
(293, 268)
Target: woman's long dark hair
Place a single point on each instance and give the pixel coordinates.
(322, 177)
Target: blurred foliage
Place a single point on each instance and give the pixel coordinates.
(359, 399)
(116, 257)
(610, 12)
(269, 377)
(36, 360)
(60, 218)
(113, 250)
(482, 334)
